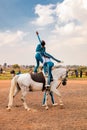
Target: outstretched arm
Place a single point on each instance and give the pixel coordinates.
(50, 56)
(38, 36)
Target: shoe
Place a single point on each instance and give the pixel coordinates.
(43, 105)
(55, 104)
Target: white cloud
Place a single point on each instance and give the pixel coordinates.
(71, 11)
(64, 12)
(11, 38)
(16, 47)
(85, 4)
(68, 16)
(71, 21)
(45, 15)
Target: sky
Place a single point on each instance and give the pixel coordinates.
(61, 23)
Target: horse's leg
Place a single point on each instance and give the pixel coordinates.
(17, 89)
(56, 91)
(24, 92)
(11, 93)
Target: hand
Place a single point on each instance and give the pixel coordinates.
(37, 32)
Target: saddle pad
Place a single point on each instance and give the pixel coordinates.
(38, 77)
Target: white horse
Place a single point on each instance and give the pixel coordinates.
(25, 83)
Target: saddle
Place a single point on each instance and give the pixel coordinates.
(39, 77)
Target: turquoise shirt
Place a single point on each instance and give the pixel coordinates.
(39, 47)
(42, 50)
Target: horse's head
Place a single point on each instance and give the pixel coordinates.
(64, 81)
(64, 78)
(61, 73)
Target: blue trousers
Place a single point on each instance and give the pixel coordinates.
(49, 66)
(46, 71)
(52, 98)
(39, 59)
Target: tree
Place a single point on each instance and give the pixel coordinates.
(15, 66)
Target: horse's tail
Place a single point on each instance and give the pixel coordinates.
(12, 89)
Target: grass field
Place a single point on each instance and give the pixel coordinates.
(8, 76)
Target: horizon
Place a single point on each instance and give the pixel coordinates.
(32, 65)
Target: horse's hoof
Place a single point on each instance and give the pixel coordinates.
(46, 107)
(8, 109)
(61, 106)
(28, 109)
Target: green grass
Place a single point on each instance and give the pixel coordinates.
(8, 76)
(77, 78)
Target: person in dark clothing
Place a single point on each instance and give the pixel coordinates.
(76, 73)
(12, 72)
(80, 73)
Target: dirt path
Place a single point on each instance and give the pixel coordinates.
(72, 117)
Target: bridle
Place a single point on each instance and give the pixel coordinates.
(63, 81)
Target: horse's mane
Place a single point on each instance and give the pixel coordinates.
(57, 72)
(59, 69)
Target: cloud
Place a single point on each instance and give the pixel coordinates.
(15, 47)
(71, 21)
(45, 15)
(72, 11)
(68, 17)
(85, 4)
(12, 38)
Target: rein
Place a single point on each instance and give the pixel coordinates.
(59, 84)
(60, 81)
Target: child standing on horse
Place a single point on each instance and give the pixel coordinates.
(45, 59)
